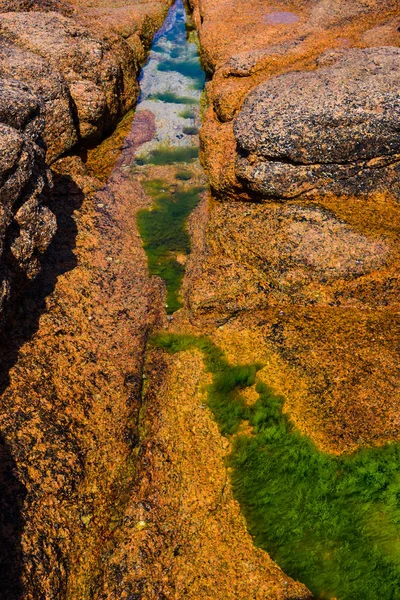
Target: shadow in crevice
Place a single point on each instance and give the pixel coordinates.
(25, 307)
(20, 324)
(12, 496)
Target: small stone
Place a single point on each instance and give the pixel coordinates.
(86, 519)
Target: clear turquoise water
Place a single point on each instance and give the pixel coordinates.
(171, 85)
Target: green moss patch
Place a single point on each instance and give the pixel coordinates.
(187, 114)
(183, 175)
(330, 522)
(167, 155)
(190, 130)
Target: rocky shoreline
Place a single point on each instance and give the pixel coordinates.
(294, 265)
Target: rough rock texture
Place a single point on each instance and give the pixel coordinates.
(35, 5)
(183, 534)
(307, 286)
(304, 131)
(247, 48)
(81, 80)
(345, 112)
(69, 385)
(301, 145)
(98, 86)
(136, 22)
(83, 65)
(26, 224)
(60, 132)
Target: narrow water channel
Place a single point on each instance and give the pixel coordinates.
(331, 522)
(171, 86)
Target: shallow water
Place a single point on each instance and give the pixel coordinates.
(172, 80)
(171, 85)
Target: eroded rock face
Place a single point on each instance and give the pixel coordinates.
(324, 143)
(26, 224)
(316, 244)
(306, 130)
(48, 420)
(60, 132)
(62, 83)
(252, 44)
(94, 76)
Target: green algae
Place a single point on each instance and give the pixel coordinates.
(197, 85)
(164, 234)
(189, 68)
(158, 49)
(163, 226)
(331, 522)
(167, 155)
(203, 105)
(183, 175)
(190, 130)
(187, 114)
(173, 98)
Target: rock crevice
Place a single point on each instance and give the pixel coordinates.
(27, 225)
(65, 79)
